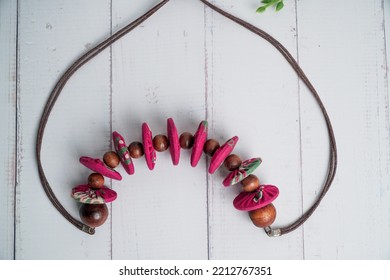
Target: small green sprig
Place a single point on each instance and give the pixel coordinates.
(268, 3)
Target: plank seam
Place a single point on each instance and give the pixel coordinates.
(206, 85)
(386, 58)
(110, 110)
(386, 84)
(17, 119)
(300, 124)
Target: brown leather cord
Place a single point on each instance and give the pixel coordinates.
(106, 43)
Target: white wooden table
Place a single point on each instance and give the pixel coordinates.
(189, 63)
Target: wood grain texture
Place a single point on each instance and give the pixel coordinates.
(347, 63)
(51, 37)
(189, 63)
(249, 99)
(158, 72)
(8, 96)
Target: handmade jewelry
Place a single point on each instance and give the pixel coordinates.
(255, 198)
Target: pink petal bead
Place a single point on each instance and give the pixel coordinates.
(98, 166)
(200, 138)
(221, 154)
(123, 152)
(174, 144)
(251, 201)
(246, 168)
(150, 152)
(86, 194)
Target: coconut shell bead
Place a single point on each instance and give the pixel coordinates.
(263, 217)
(160, 143)
(210, 147)
(186, 140)
(111, 159)
(250, 183)
(232, 162)
(136, 149)
(95, 180)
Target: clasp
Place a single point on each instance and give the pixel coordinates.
(88, 229)
(272, 232)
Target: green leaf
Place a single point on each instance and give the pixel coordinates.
(279, 6)
(266, 1)
(261, 9)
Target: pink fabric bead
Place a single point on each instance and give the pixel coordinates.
(221, 154)
(150, 152)
(123, 152)
(246, 168)
(247, 201)
(86, 194)
(200, 138)
(98, 166)
(174, 144)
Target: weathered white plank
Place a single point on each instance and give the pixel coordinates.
(158, 72)
(8, 18)
(386, 24)
(385, 217)
(189, 63)
(52, 35)
(342, 48)
(253, 94)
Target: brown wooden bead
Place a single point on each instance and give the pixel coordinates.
(232, 162)
(136, 149)
(111, 159)
(263, 217)
(250, 183)
(95, 180)
(93, 215)
(160, 143)
(210, 147)
(186, 140)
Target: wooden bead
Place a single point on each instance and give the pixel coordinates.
(263, 217)
(250, 183)
(95, 180)
(186, 140)
(136, 149)
(160, 143)
(111, 159)
(210, 147)
(93, 215)
(232, 162)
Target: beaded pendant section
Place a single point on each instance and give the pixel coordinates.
(255, 198)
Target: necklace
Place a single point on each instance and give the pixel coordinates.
(255, 198)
